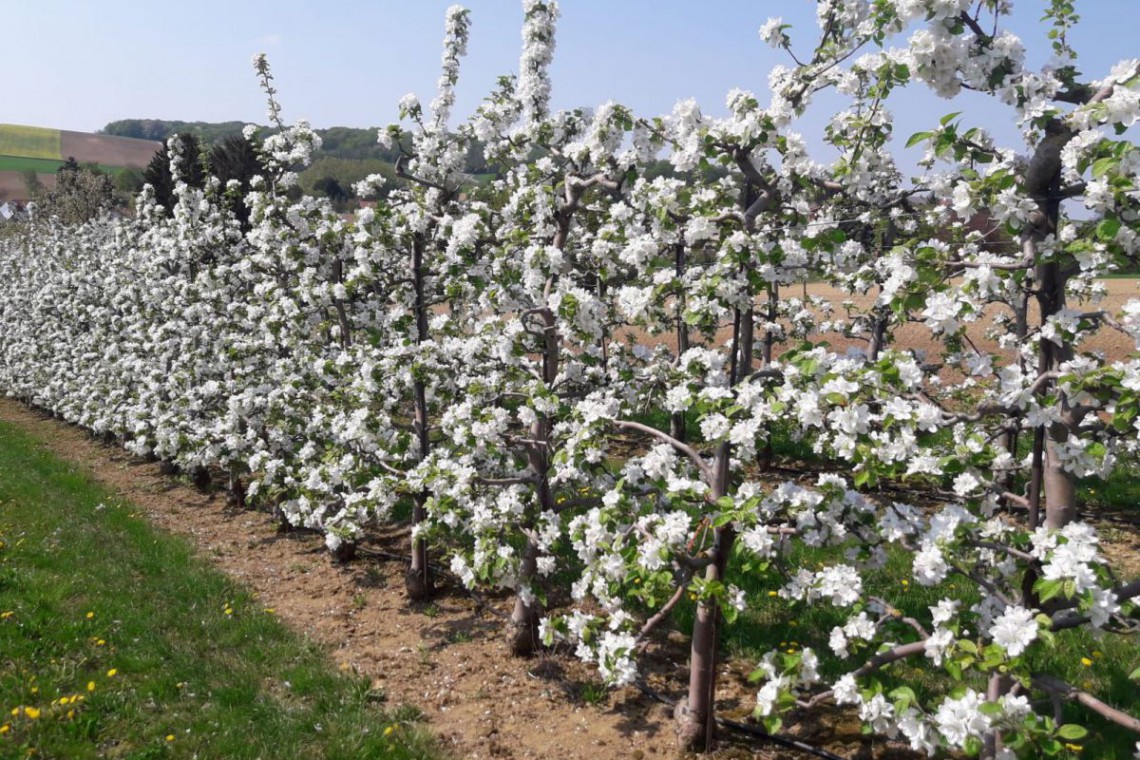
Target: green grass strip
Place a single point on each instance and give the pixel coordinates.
(43, 165)
(116, 641)
(23, 164)
(30, 142)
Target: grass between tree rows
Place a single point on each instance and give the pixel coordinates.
(115, 641)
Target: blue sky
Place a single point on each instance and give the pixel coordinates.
(78, 64)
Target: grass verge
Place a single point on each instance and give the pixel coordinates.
(115, 641)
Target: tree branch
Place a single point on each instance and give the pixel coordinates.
(1055, 686)
(706, 469)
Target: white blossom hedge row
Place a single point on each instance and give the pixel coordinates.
(575, 373)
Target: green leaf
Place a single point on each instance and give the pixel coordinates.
(918, 137)
(903, 697)
(723, 519)
(1107, 229)
(1101, 166)
(1072, 731)
(1047, 589)
(949, 118)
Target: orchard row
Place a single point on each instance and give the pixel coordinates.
(581, 371)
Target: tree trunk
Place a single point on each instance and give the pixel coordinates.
(235, 490)
(522, 628)
(677, 421)
(1059, 485)
(695, 718)
(746, 343)
(418, 580)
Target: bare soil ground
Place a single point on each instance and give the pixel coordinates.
(916, 335)
(1114, 344)
(13, 188)
(106, 149)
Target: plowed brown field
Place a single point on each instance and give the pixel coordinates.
(104, 149)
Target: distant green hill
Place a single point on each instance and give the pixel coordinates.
(338, 142)
(347, 155)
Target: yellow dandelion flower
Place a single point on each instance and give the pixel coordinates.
(170, 737)
(229, 610)
(1097, 654)
(32, 712)
(90, 686)
(7, 614)
(270, 610)
(5, 729)
(71, 714)
(112, 672)
(388, 731)
(90, 615)
(773, 593)
(1086, 661)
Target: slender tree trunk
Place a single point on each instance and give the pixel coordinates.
(1010, 437)
(695, 717)
(418, 580)
(880, 321)
(1048, 478)
(677, 421)
(522, 629)
(764, 459)
(747, 343)
(1059, 485)
(772, 315)
(992, 744)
